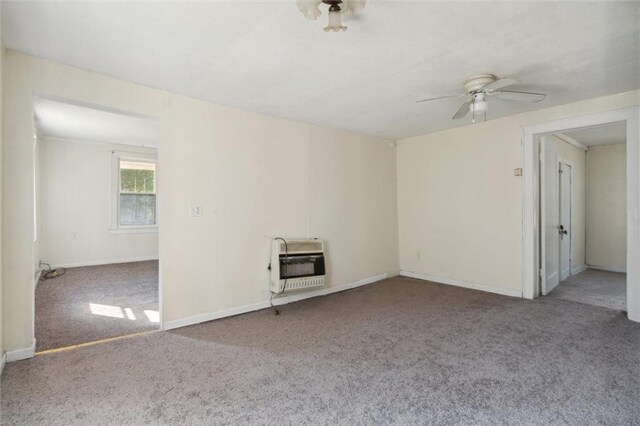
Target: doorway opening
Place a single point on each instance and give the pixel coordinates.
(532, 240)
(583, 215)
(96, 227)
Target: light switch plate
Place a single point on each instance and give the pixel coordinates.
(195, 211)
(517, 172)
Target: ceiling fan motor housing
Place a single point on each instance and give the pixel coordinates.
(476, 83)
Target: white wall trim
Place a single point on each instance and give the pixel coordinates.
(105, 262)
(448, 281)
(294, 297)
(135, 230)
(210, 316)
(127, 145)
(577, 269)
(37, 279)
(621, 269)
(20, 354)
(571, 141)
(530, 247)
(3, 362)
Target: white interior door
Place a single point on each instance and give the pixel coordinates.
(549, 236)
(565, 221)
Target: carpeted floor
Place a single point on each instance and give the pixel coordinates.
(593, 287)
(96, 302)
(399, 351)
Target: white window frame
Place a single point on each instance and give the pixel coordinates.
(116, 158)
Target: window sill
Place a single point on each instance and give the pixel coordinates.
(135, 230)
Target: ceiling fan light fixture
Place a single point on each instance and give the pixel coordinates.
(335, 19)
(479, 104)
(309, 8)
(479, 107)
(338, 9)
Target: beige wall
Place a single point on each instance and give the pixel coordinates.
(254, 176)
(606, 206)
(459, 203)
(74, 206)
(576, 157)
(258, 177)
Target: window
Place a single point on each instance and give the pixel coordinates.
(133, 205)
(137, 192)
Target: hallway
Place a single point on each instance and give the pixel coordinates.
(596, 288)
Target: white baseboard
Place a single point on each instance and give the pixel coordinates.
(104, 262)
(197, 319)
(3, 362)
(20, 354)
(608, 268)
(294, 297)
(448, 281)
(577, 269)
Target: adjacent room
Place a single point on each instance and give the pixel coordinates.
(583, 207)
(319, 212)
(96, 229)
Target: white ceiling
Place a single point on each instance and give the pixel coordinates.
(610, 134)
(60, 119)
(266, 57)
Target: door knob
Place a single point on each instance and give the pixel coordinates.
(562, 230)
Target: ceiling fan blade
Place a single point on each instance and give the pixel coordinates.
(442, 97)
(499, 84)
(521, 96)
(462, 111)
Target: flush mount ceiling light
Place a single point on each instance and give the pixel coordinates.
(337, 8)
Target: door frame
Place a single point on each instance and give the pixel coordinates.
(159, 188)
(531, 194)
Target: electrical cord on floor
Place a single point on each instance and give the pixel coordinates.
(284, 286)
(50, 273)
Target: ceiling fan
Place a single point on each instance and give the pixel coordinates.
(480, 88)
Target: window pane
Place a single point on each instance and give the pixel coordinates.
(137, 209)
(137, 176)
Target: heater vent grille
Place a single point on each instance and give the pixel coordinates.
(297, 265)
(304, 283)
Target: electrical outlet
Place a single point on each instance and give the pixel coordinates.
(195, 211)
(517, 172)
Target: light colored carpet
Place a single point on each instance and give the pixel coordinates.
(400, 351)
(596, 288)
(96, 302)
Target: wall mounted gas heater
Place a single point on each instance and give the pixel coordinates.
(296, 264)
